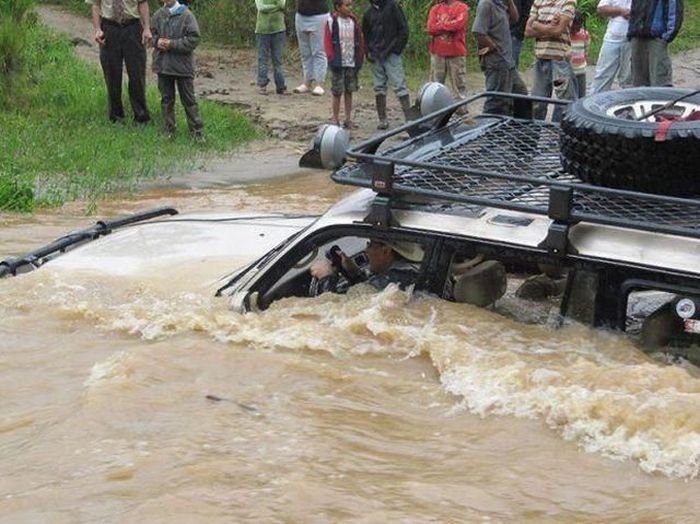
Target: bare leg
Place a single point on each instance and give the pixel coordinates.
(336, 109)
(348, 107)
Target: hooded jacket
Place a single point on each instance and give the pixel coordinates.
(385, 29)
(655, 19)
(182, 29)
(332, 43)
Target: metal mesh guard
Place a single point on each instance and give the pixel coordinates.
(511, 164)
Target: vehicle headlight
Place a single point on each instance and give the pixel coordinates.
(685, 308)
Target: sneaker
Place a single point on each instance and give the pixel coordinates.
(282, 91)
(317, 91)
(303, 88)
(383, 124)
(262, 90)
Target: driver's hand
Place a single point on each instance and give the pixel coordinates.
(349, 264)
(322, 269)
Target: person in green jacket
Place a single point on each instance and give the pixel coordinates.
(175, 36)
(270, 39)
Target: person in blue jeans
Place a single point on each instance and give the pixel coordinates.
(549, 24)
(270, 39)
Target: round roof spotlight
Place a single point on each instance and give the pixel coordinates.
(332, 142)
(685, 308)
(432, 97)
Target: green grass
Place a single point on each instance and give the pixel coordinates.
(59, 144)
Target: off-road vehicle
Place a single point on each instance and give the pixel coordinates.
(603, 204)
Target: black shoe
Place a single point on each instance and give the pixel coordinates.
(282, 91)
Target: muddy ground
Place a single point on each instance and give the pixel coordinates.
(228, 76)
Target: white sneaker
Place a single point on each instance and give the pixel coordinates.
(303, 88)
(318, 91)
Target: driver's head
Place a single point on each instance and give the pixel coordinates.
(380, 256)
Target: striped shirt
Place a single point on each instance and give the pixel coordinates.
(554, 47)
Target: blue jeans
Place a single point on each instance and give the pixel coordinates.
(271, 45)
(389, 70)
(614, 61)
(552, 75)
(517, 46)
(310, 34)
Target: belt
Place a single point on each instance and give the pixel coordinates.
(128, 21)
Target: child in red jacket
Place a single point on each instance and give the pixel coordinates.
(345, 52)
(447, 27)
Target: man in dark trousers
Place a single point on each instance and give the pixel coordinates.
(122, 30)
(385, 32)
(653, 24)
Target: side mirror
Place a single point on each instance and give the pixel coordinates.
(242, 301)
(328, 150)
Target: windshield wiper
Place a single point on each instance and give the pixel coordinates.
(12, 265)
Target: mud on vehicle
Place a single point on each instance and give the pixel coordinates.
(495, 210)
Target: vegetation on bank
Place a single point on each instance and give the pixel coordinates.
(56, 142)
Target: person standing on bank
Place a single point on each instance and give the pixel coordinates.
(175, 36)
(614, 59)
(492, 32)
(653, 24)
(309, 23)
(447, 27)
(270, 39)
(549, 24)
(385, 31)
(122, 31)
(345, 51)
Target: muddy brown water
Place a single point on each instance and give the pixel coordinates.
(371, 407)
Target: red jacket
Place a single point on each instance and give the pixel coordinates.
(447, 26)
(331, 42)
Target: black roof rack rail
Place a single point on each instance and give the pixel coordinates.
(511, 164)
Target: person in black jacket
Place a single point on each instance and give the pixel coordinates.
(653, 24)
(517, 30)
(385, 32)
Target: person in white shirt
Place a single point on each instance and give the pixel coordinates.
(614, 59)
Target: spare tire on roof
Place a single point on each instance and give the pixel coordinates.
(607, 139)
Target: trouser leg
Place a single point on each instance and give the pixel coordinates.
(262, 45)
(112, 61)
(498, 79)
(185, 87)
(457, 73)
(660, 69)
(166, 86)
(135, 61)
(438, 70)
(396, 75)
(542, 86)
(640, 62)
(277, 44)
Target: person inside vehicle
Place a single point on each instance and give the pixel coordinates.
(392, 262)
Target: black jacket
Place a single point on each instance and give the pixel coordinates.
(655, 19)
(385, 29)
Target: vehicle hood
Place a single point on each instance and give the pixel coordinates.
(204, 246)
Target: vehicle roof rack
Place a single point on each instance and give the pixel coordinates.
(506, 163)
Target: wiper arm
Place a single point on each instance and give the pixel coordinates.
(34, 259)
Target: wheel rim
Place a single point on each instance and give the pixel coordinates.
(640, 108)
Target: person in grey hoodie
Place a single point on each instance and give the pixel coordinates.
(175, 36)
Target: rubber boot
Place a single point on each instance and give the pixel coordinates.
(380, 102)
(405, 102)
